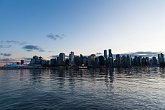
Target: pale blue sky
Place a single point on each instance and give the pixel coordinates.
(86, 26)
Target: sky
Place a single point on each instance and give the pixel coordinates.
(49, 27)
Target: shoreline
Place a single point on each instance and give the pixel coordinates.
(70, 67)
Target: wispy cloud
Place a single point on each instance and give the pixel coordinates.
(146, 54)
(7, 60)
(99, 53)
(55, 36)
(30, 48)
(50, 51)
(53, 56)
(142, 53)
(6, 54)
(12, 42)
(5, 46)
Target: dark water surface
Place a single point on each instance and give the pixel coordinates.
(118, 89)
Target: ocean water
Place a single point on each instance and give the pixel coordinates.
(100, 89)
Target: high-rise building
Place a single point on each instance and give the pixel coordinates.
(105, 54)
(110, 59)
(77, 60)
(61, 58)
(81, 59)
(154, 61)
(137, 61)
(91, 60)
(118, 60)
(161, 59)
(53, 62)
(129, 59)
(22, 62)
(35, 60)
(71, 58)
(101, 61)
(110, 53)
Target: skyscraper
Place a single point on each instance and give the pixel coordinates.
(110, 59)
(105, 54)
(91, 60)
(154, 61)
(61, 59)
(118, 60)
(110, 53)
(71, 58)
(161, 59)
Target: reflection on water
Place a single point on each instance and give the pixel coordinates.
(102, 89)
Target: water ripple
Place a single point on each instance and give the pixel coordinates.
(95, 89)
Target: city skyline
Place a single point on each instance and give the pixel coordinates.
(27, 60)
(46, 28)
(107, 60)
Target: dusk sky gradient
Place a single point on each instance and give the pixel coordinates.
(48, 27)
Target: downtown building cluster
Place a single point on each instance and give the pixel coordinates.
(94, 61)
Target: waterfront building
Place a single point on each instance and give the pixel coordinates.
(53, 62)
(123, 61)
(145, 61)
(81, 59)
(137, 61)
(91, 60)
(67, 62)
(161, 59)
(77, 61)
(85, 61)
(110, 53)
(105, 54)
(129, 61)
(110, 62)
(110, 59)
(45, 63)
(118, 60)
(98, 61)
(61, 59)
(22, 62)
(36, 60)
(71, 58)
(101, 61)
(153, 61)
